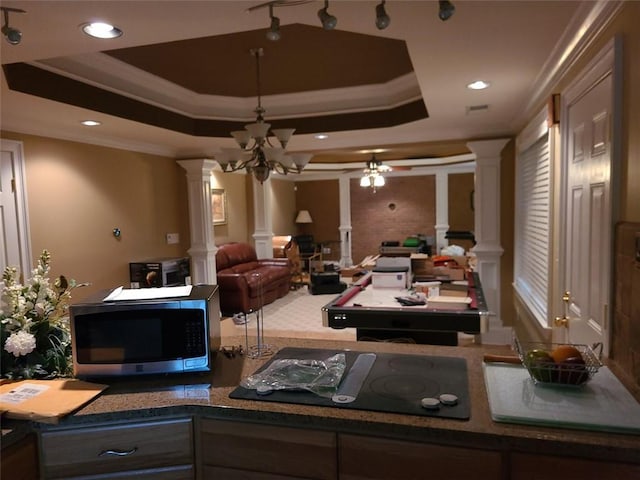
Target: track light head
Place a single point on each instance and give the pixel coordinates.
(446, 10)
(13, 35)
(382, 19)
(329, 22)
(273, 33)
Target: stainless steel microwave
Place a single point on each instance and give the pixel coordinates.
(147, 336)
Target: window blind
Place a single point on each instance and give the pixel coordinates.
(532, 227)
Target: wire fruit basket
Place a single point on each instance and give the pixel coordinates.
(578, 367)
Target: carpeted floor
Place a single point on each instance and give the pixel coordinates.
(296, 315)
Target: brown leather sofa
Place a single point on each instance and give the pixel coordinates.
(247, 283)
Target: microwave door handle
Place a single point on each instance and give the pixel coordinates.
(118, 453)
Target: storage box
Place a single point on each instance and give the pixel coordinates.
(421, 264)
(454, 273)
(160, 272)
(389, 279)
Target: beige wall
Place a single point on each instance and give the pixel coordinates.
(322, 199)
(283, 207)
(78, 193)
(235, 187)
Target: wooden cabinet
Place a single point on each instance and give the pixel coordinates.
(20, 460)
(538, 467)
(236, 450)
(376, 458)
(154, 449)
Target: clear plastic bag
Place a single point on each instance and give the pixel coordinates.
(321, 377)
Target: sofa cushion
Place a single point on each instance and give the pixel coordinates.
(234, 253)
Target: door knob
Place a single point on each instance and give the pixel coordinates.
(563, 321)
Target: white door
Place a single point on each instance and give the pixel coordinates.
(14, 239)
(587, 221)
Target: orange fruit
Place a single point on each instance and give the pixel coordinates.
(562, 352)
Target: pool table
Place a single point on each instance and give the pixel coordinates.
(377, 315)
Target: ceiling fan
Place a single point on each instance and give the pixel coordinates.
(373, 173)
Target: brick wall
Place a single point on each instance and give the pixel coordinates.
(404, 206)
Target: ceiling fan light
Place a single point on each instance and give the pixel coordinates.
(365, 181)
(378, 181)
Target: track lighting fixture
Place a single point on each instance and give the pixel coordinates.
(273, 33)
(382, 19)
(13, 35)
(329, 22)
(446, 10)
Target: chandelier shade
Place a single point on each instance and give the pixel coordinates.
(255, 152)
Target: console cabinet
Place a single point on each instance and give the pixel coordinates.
(235, 450)
(154, 449)
(242, 450)
(370, 458)
(526, 466)
(20, 460)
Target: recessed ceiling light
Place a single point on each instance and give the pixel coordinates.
(321, 136)
(478, 85)
(101, 30)
(90, 123)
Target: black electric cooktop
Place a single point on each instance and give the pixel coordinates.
(396, 383)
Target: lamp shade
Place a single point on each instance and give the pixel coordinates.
(304, 217)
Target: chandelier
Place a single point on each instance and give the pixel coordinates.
(256, 154)
(373, 174)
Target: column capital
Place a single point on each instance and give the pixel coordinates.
(198, 166)
(484, 149)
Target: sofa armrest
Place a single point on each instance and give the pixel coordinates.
(233, 281)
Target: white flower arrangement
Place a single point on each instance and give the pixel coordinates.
(35, 336)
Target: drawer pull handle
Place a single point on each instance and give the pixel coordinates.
(118, 453)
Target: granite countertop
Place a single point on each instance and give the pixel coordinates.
(208, 395)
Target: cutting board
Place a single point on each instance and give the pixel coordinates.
(603, 404)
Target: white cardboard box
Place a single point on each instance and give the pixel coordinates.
(389, 280)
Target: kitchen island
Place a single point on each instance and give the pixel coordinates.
(190, 428)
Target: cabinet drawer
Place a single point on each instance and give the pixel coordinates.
(268, 449)
(382, 459)
(117, 448)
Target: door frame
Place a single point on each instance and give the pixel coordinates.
(22, 210)
(607, 62)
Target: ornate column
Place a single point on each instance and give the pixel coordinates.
(345, 221)
(203, 248)
(442, 210)
(263, 222)
(487, 232)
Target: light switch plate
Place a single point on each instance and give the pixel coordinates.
(173, 238)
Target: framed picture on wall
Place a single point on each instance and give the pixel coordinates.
(218, 206)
